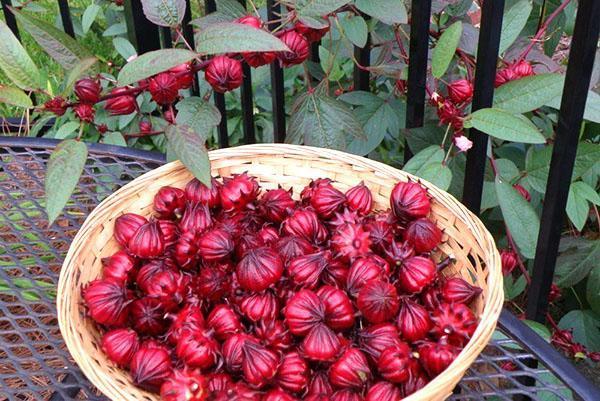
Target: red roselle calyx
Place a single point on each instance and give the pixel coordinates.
(351, 241)
(293, 373)
(150, 367)
(375, 339)
(186, 250)
(87, 90)
(148, 316)
(56, 105)
(120, 345)
(460, 91)
(278, 395)
(224, 321)
(351, 370)
(169, 202)
(457, 290)
(436, 357)
(339, 313)
(197, 349)
(147, 272)
(299, 48)
(303, 312)
(85, 112)
(196, 218)
(215, 245)
(238, 191)
(224, 74)
(509, 261)
(273, 334)
(107, 302)
(396, 364)
(409, 201)
(189, 319)
(361, 271)
(170, 232)
(319, 384)
(260, 306)
(326, 200)
(232, 352)
(305, 271)
(383, 391)
(120, 105)
(259, 364)
(454, 321)
(169, 287)
(184, 385)
(423, 235)
(183, 73)
(311, 34)
(276, 204)
(321, 344)
(360, 199)
(346, 395)
(196, 191)
(259, 269)
(148, 241)
(378, 301)
(119, 266)
(416, 273)
(212, 283)
(126, 226)
(292, 247)
(163, 88)
(413, 321)
(304, 223)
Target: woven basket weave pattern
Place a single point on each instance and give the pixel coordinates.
(465, 239)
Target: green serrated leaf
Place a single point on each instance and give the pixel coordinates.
(119, 28)
(318, 8)
(231, 37)
(387, 11)
(577, 203)
(431, 154)
(15, 62)
(445, 48)
(152, 63)
(377, 118)
(576, 260)
(504, 125)
(89, 16)
(74, 74)
(592, 106)
(586, 327)
(539, 328)
(231, 8)
(64, 169)
(200, 115)
(164, 12)
(593, 289)
(67, 129)
(14, 97)
(190, 148)
(520, 218)
(513, 22)
(355, 29)
(114, 138)
(65, 50)
(124, 47)
(438, 174)
(528, 93)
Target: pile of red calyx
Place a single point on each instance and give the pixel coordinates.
(230, 293)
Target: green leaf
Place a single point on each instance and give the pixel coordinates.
(190, 148)
(539, 328)
(504, 125)
(431, 154)
(65, 50)
(577, 203)
(514, 288)
(14, 97)
(520, 218)
(198, 114)
(593, 289)
(592, 106)
(438, 174)
(164, 12)
(114, 138)
(377, 117)
(318, 8)
(586, 327)
(64, 169)
(422, 137)
(89, 16)
(152, 63)
(445, 48)
(528, 93)
(356, 29)
(76, 72)
(330, 65)
(513, 22)
(319, 120)
(231, 8)
(67, 129)
(15, 62)
(549, 387)
(387, 11)
(576, 260)
(231, 37)
(120, 28)
(124, 47)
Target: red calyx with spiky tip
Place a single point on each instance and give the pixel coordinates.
(120, 105)
(195, 191)
(212, 282)
(120, 345)
(268, 235)
(360, 199)
(259, 364)
(346, 395)
(276, 204)
(273, 334)
(509, 260)
(238, 192)
(299, 48)
(186, 250)
(305, 271)
(184, 385)
(218, 382)
(413, 321)
(460, 91)
(184, 74)
(381, 233)
(196, 218)
(409, 201)
(436, 357)
(215, 245)
(224, 321)
(148, 316)
(85, 112)
(523, 69)
(164, 88)
(126, 225)
(197, 349)
(307, 191)
(188, 319)
(224, 74)
(304, 223)
(311, 34)
(414, 383)
(378, 301)
(169, 287)
(232, 351)
(148, 241)
(147, 272)
(351, 241)
(303, 312)
(455, 321)
(56, 105)
(278, 395)
(321, 344)
(260, 306)
(319, 384)
(259, 269)
(423, 235)
(87, 90)
(361, 271)
(145, 126)
(340, 219)
(150, 367)
(169, 202)
(396, 364)
(383, 391)
(120, 266)
(457, 290)
(170, 232)
(257, 59)
(292, 247)
(376, 338)
(416, 273)
(351, 370)
(293, 373)
(107, 302)
(326, 200)
(339, 313)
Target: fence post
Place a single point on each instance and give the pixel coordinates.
(483, 96)
(10, 19)
(277, 89)
(247, 101)
(65, 16)
(572, 106)
(417, 66)
(142, 33)
(363, 57)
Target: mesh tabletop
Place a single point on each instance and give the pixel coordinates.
(34, 361)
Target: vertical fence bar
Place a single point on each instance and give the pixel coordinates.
(483, 95)
(277, 89)
(188, 34)
(210, 6)
(247, 101)
(363, 57)
(10, 18)
(142, 33)
(577, 81)
(166, 37)
(417, 66)
(65, 16)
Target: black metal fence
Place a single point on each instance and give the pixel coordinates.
(145, 36)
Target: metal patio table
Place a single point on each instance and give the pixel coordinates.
(34, 362)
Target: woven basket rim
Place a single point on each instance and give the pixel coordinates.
(442, 383)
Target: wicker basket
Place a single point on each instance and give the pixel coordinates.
(465, 239)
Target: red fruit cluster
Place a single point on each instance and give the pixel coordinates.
(230, 291)
(514, 71)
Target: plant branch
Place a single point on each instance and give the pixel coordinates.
(543, 29)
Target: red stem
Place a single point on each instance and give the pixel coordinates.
(543, 29)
